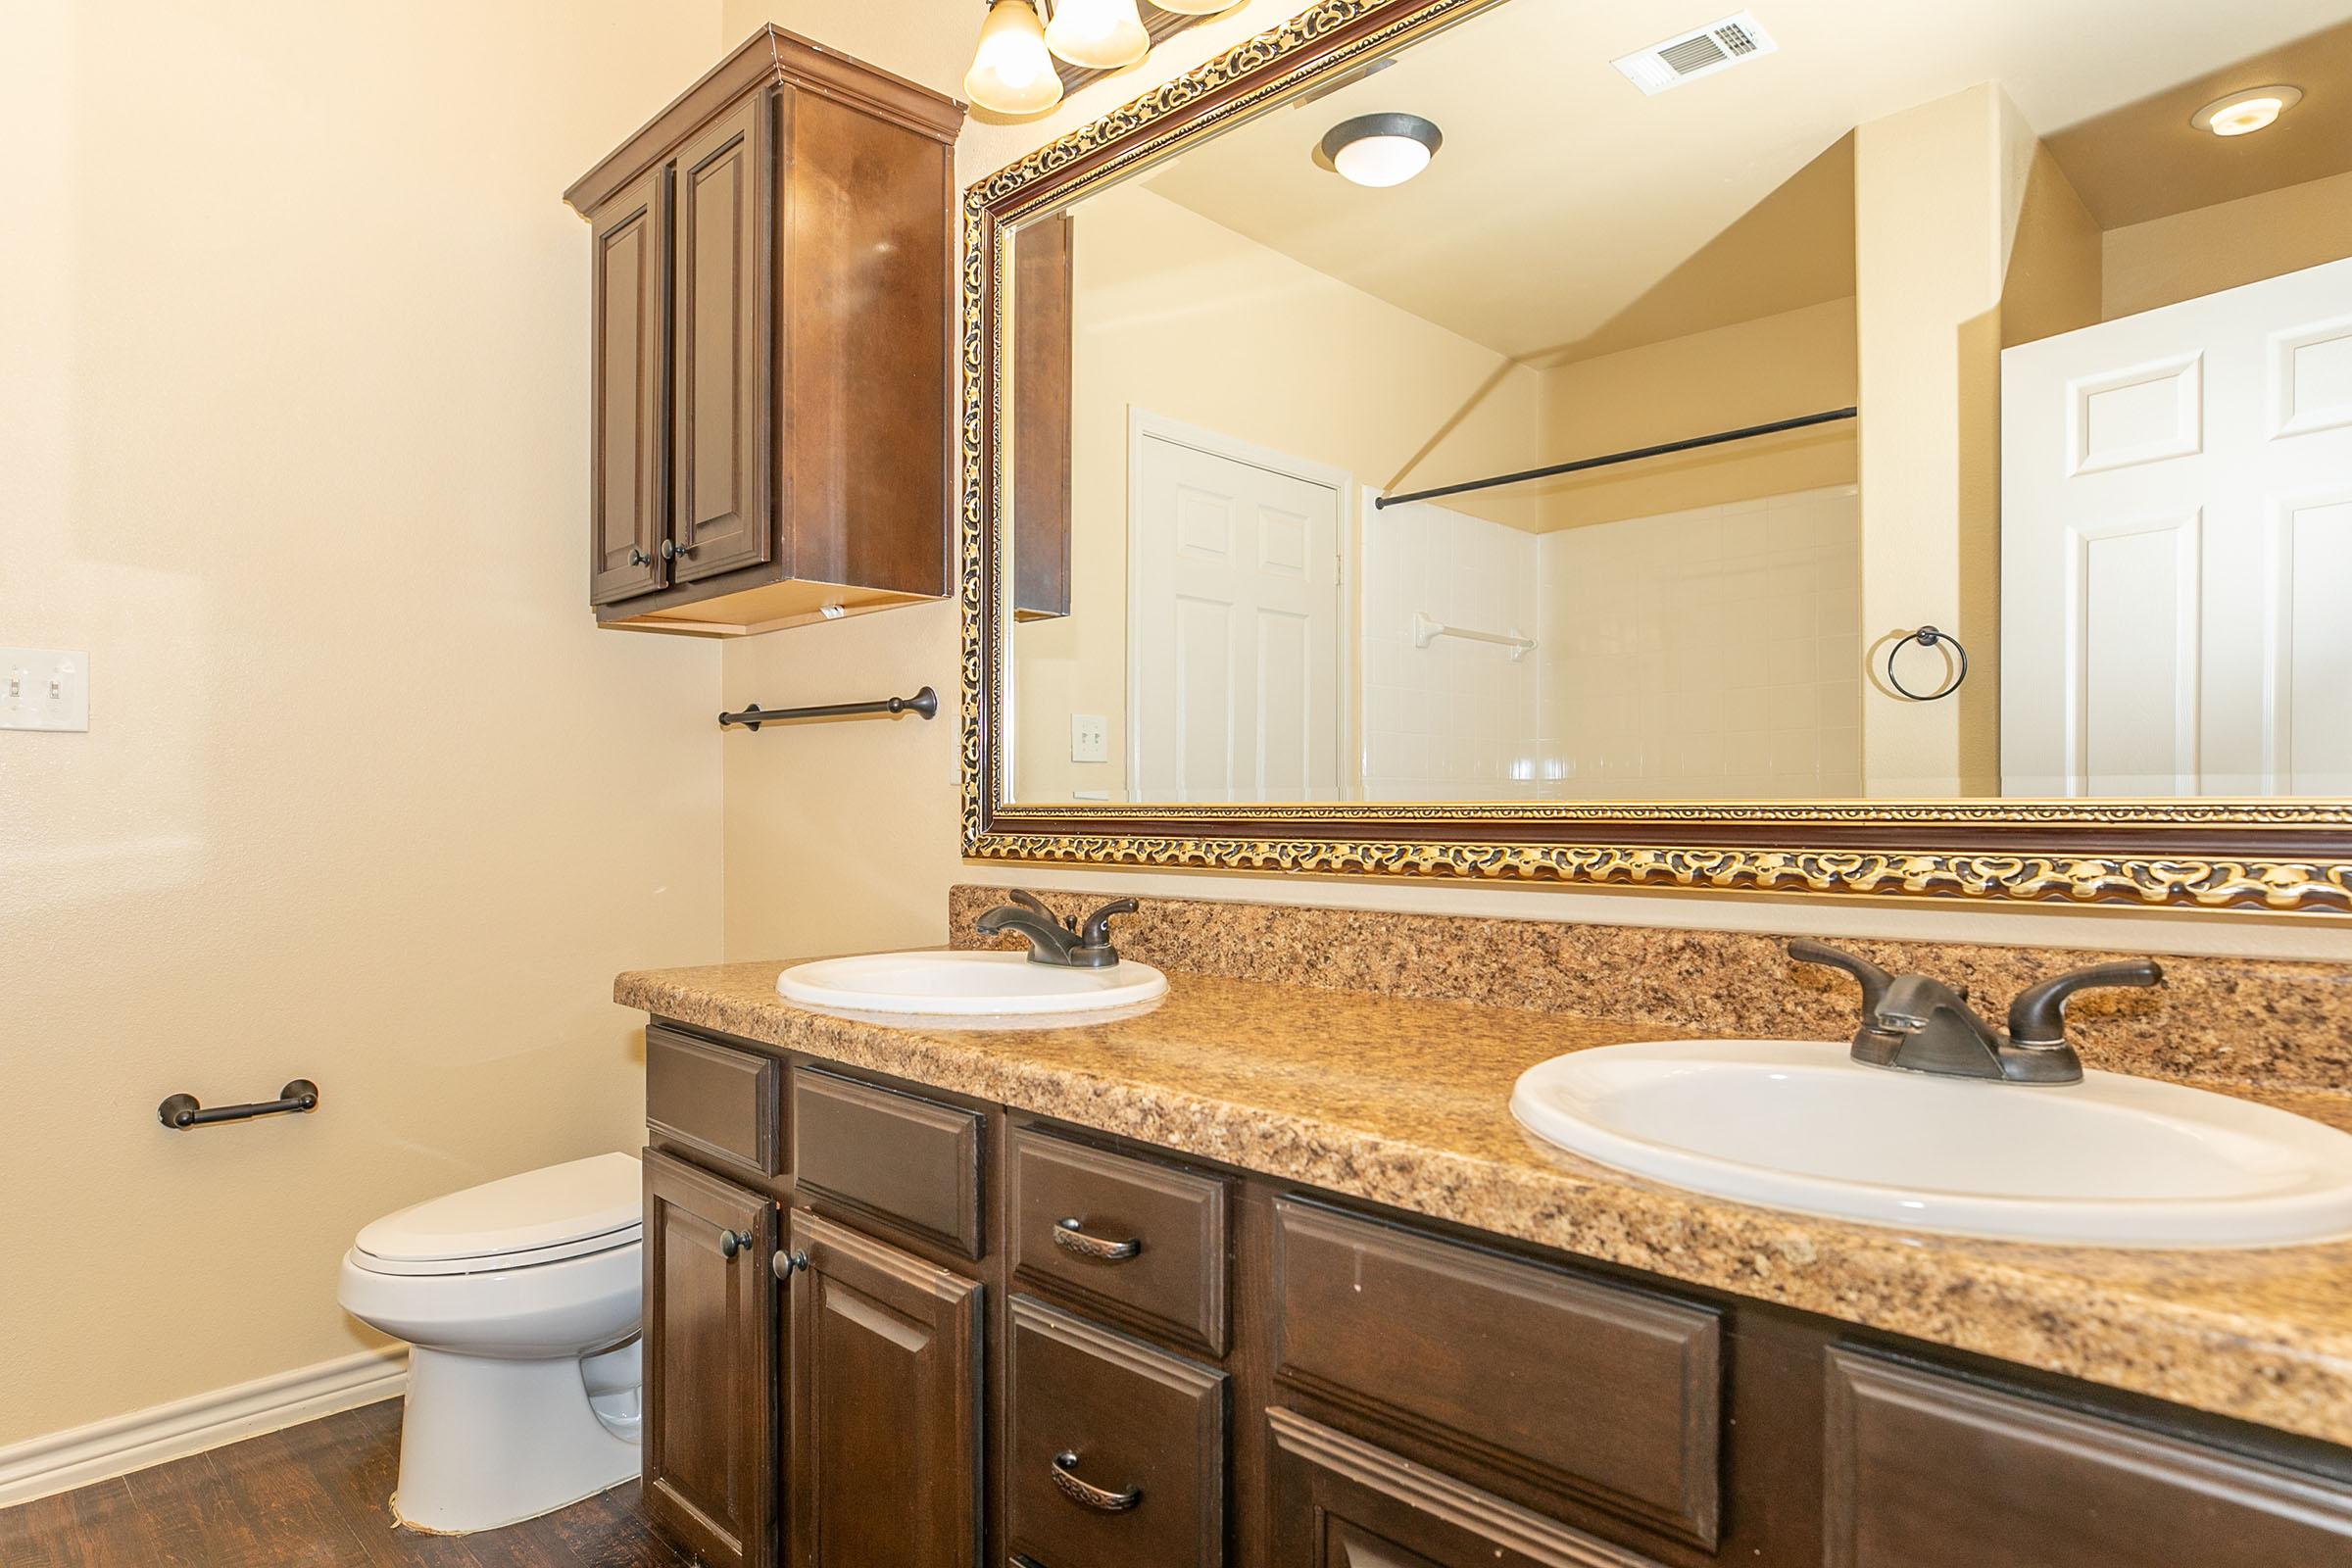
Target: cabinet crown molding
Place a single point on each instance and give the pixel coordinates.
(773, 57)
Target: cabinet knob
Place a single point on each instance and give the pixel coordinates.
(671, 550)
(638, 558)
(732, 1241)
(785, 1265)
(1086, 1495)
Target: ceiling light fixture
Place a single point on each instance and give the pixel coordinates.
(1098, 35)
(1012, 70)
(2242, 113)
(1381, 149)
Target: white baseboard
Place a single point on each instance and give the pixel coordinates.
(64, 1460)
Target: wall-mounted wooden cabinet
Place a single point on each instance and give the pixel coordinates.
(769, 436)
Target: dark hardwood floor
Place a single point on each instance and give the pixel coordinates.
(309, 1495)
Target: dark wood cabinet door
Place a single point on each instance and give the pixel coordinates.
(721, 249)
(710, 1372)
(1341, 1503)
(1927, 1470)
(628, 495)
(885, 1395)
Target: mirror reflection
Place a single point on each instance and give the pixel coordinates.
(1633, 403)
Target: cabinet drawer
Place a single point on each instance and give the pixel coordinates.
(905, 1161)
(1138, 1243)
(1928, 1471)
(1339, 1500)
(1573, 1386)
(1117, 1451)
(713, 1099)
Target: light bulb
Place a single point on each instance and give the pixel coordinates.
(1099, 34)
(1382, 149)
(1012, 72)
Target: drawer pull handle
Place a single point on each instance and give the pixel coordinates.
(1065, 1465)
(1070, 1236)
(732, 1241)
(785, 1265)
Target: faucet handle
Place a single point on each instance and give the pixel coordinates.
(1873, 979)
(1029, 901)
(2037, 1017)
(1095, 930)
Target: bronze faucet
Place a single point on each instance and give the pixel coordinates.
(1068, 944)
(1920, 1024)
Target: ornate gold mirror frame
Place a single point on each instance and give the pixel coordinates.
(2273, 854)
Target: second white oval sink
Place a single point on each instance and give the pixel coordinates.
(2111, 1161)
(965, 985)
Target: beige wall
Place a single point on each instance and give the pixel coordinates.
(819, 847)
(292, 411)
(1936, 191)
(1773, 368)
(2209, 248)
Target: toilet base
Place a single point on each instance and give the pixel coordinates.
(533, 1415)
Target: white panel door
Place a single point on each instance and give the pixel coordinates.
(1233, 627)
(2177, 547)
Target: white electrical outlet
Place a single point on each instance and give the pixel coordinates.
(1090, 738)
(41, 688)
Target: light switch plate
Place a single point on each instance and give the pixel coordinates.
(44, 688)
(1090, 738)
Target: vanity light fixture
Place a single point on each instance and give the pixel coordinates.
(1098, 35)
(1012, 73)
(2243, 113)
(1382, 149)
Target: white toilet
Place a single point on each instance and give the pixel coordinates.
(520, 1300)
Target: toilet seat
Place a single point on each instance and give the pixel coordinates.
(571, 1210)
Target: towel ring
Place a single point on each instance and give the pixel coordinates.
(1926, 637)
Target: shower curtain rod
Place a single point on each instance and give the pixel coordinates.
(1637, 453)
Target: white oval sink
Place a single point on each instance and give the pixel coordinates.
(965, 985)
(2111, 1161)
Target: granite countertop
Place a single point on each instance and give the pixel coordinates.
(1405, 1102)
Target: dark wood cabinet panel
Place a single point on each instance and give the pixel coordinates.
(715, 1098)
(1116, 1455)
(709, 1373)
(1611, 1395)
(1132, 1240)
(723, 229)
(1044, 267)
(885, 1401)
(863, 345)
(1925, 1470)
(628, 337)
(891, 1159)
(1341, 1503)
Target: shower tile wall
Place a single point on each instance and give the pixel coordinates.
(1714, 653)
(1708, 654)
(1454, 721)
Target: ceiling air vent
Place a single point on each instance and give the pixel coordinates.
(1717, 46)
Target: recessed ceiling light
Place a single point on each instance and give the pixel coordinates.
(2242, 113)
(1381, 149)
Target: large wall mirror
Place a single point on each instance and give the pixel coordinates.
(1839, 445)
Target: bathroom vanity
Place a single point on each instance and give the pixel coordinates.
(1267, 1276)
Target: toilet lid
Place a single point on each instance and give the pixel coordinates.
(567, 1211)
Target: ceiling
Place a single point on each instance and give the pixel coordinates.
(1567, 215)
